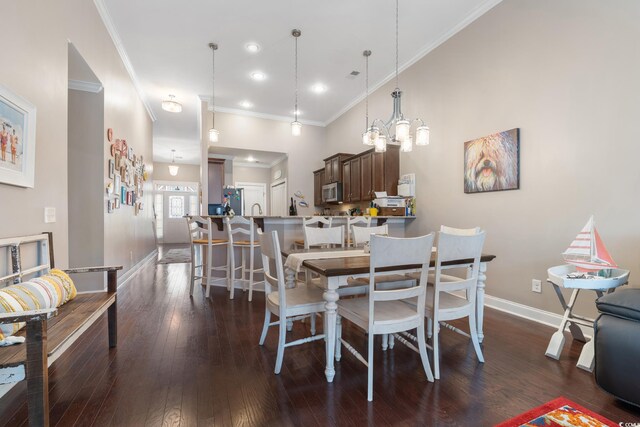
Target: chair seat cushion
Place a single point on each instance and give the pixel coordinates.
(301, 295)
(245, 243)
(357, 310)
(206, 242)
(623, 303)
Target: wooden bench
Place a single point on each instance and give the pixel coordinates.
(48, 332)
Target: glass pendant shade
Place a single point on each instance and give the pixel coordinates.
(403, 127)
(406, 145)
(422, 135)
(381, 144)
(213, 135)
(296, 128)
(173, 169)
(371, 136)
(365, 138)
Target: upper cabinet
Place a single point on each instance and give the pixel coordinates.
(318, 182)
(333, 167)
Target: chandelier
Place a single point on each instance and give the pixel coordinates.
(379, 133)
(213, 132)
(171, 105)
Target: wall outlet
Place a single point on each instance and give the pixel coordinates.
(49, 215)
(536, 286)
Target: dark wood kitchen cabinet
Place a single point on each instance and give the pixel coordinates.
(379, 172)
(318, 182)
(333, 167)
(351, 187)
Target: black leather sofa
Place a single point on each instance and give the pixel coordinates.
(617, 344)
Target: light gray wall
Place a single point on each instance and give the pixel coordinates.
(186, 173)
(87, 201)
(564, 72)
(40, 34)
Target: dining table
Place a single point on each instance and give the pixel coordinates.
(334, 269)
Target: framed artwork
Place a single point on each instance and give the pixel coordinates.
(492, 163)
(17, 139)
(123, 195)
(111, 168)
(116, 184)
(116, 203)
(116, 158)
(130, 153)
(109, 134)
(109, 206)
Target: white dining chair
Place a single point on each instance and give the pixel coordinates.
(442, 303)
(323, 237)
(241, 234)
(201, 235)
(314, 221)
(362, 235)
(385, 311)
(288, 304)
(354, 221)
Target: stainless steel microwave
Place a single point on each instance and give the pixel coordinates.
(332, 193)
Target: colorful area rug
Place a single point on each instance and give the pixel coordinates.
(176, 256)
(559, 412)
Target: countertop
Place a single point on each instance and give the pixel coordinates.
(309, 216)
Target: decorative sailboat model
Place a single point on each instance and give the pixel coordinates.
(587, 251)
(589, 267)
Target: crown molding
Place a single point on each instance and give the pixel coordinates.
(85, 86)
(257, 114)
(111, 29)
(475, 14)
(251, 165)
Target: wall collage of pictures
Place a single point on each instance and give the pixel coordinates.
(127, 173)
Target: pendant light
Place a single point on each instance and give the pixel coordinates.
(380, 132)
(173, 168)
(213, 132)
(371, 134)
(296, 126)
(171, 105)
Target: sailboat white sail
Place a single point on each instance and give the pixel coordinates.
(587, 251)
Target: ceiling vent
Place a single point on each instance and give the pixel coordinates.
(352, 75)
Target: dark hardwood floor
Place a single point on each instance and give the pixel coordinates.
(184, 361)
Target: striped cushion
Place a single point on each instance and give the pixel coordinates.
(48, 291)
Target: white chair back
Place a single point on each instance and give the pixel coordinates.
(353, 221)
(460, 231)
(271, 257)
(457, 247)
(325, 237)
(362, 235)
(317, 221)
(198, 228)
(240, 229)
(392, 251)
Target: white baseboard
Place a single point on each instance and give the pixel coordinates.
(128, 275)
(530, 313)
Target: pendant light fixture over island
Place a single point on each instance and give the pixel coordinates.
(296, 126)
(213, 132)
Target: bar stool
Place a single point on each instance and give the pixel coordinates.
(351, 222)
(246, 241)
(318, 221)
(200, 234)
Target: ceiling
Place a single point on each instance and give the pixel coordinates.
(165, 46)
(249, 158)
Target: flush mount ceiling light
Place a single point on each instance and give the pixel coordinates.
(318, 88)
(296, 126)
(252, 47)
(246, 104)
(258, 76)
(171, 105)
(213, 132)
(173, 168)
(380, 132)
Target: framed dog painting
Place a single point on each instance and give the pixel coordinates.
(492, 163)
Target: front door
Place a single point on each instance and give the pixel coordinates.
(176, 205)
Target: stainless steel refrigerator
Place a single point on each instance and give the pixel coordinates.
(235, 196)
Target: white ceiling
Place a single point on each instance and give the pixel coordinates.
(166, 45)
(250, 158)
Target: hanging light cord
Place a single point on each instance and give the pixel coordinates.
(366, 102)
(213, 87)
(397, 44)
(296, 72)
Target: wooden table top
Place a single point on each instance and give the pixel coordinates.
(332, 267)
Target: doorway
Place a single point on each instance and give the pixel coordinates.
(254, 192)
(172, 202)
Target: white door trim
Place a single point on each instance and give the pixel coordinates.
(242, 184)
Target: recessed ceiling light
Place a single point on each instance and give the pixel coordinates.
(319, 88)
(252, 47)
(258, 76)
(250, 159)
(246, 104)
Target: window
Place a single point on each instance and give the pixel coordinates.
(193, 205)
(158, 214)
(176, 206)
